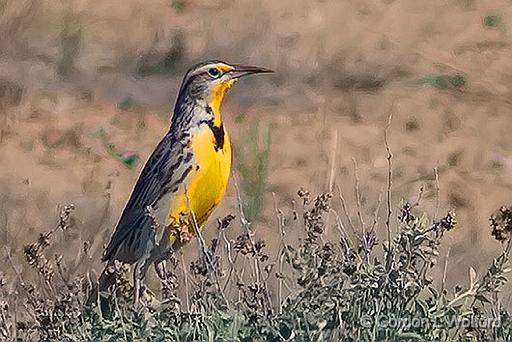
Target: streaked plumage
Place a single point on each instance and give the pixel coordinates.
(187, 174)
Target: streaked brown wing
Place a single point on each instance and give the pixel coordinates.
(158, 177)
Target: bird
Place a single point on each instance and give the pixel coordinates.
(183, 180)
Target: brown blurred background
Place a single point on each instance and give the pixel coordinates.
(86, 88)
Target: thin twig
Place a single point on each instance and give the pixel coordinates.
(280, 254)
(445, 268)
(358, 196)
(436, 174)
(59, 261)
(340, 226)
(390, 177)
(420, 197)
(376, 212)
(245, 225)
(345, 210)
(345, 238)
(334, 150)
(185, 279)
(232, 262)
(204, 250)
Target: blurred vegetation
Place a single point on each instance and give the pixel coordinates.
(252, 155)
(129, 159)
(492, 20)
(178, 5)
(167, 63)
(128, 104)
(11, 94)
(444, 81)
(70, 40)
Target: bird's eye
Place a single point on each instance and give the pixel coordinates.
(213, 72)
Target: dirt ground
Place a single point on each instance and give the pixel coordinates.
(341, 68)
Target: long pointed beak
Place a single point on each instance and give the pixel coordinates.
(245, 70)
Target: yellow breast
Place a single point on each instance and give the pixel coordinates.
(206, 184)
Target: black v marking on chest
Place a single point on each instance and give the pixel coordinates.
(218, 134)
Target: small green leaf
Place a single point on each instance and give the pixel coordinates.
(491, 20)
(129, 159)
(178, 5)
(444, 81)
(127, 104)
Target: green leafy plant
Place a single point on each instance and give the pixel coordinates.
(129, 159)
(178, 5)
(70, 41)
(166, 63)
(445, 81)
(491, 20)
(128, 104)
(252, 165)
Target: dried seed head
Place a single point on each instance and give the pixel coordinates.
(225, 221)
(446, 223)
(242, 245)
(86, 247)
(259, 245)
(58, 259)
(304, 194)
(199, 268)
(368, 241)
(64, 216)
(405, 215)
(313, 217)
(501, 224)
(32, 253)
(44, 240)
(182, 230)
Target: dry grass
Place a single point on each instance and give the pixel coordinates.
(349, 288)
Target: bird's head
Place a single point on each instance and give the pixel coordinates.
(209, 81)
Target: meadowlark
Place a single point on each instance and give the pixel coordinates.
(183, 180)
